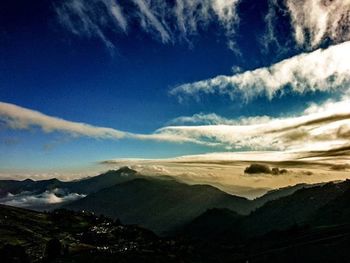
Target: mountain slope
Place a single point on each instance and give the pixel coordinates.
(158, 204)
(295, 209)
(335, 212)
(324, 204)
(96, 183)
(16, 187)
(214, 224)
(83, 186)
(67, 236)
(281, 192)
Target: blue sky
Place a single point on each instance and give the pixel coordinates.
(76, 61)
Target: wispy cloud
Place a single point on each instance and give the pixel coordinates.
(315, 21)
(318, 128)
(84, 18)
(16, 117)
(321, 70)
(149, 20)
(214, 119)
(167, 21)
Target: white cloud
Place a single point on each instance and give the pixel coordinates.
(319, 128)
(16, 117)
(149, 18)
(321, 70)
(36, 200)
(214, 119)
(315, 20)
(313, 23)
(167, 21)
(84, 18)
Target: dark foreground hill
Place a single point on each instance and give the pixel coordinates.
(161, 205)
(66, 236)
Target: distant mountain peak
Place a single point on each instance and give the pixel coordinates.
(125, 170)
(122, 171)
(28, 180)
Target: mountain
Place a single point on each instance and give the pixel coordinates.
(216, 224)
(281, 192)
(310, 225)
(96, 183)
(295, 209)
(335, 212)
(67, 236)
(15, 187)
(161, 205)
(50, 194)
(83, 186)
(324, 204)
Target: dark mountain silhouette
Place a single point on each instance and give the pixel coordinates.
(16, 187)
(96, 183)
(83, 186)
(215, 224)
(161, 205)
(281, 192)
(295, 209)
(67, 236)
(325, 204)
(310, 225)
(335, 212)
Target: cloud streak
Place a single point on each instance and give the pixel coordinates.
(166, 21)
(19, 118)
(319, 128)
(16, 117)
(321, 70)
(214, 119)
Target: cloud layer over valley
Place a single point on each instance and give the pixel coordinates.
(40, 200)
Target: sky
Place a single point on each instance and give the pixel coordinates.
(83, 82)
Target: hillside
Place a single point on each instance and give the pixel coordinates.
(96, 183)
(83, 186)
(311, 225)
(66, 236)
(280, 192)
(215, 224)
(51, 194)
(158, 204)
(325, 204)
(295, 209)
(335, 212)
